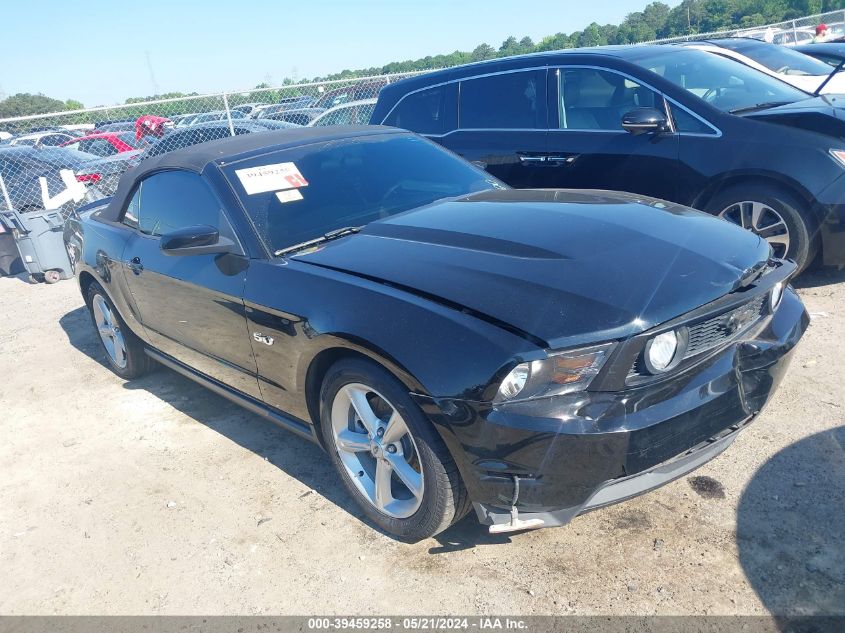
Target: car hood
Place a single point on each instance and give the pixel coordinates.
(824, 114)
(562, 267)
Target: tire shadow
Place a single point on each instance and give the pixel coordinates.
(791, 528)
(303, 460)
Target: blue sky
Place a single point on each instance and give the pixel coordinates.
(95, 51)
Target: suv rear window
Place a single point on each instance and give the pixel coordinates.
(514, 100)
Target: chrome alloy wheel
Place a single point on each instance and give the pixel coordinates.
(109, 330)
(763, 220)
(377, 450)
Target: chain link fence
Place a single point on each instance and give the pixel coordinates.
(789, 33)
(60, 160)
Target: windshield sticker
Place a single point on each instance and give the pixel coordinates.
(270, 178)
(290, 195)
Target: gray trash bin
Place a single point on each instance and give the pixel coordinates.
(39, 236)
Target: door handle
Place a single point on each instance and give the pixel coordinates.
(531, 159)
(566, 159)
(135, 265)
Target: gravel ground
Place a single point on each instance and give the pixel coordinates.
(158, 497)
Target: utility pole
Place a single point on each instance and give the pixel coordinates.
(152, 74)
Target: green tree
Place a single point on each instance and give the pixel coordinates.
(24, 104)
(73, 104)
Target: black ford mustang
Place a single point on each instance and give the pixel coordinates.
(449, 341)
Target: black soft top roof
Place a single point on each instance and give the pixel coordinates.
(230, 149)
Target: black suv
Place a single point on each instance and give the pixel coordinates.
(662, 121)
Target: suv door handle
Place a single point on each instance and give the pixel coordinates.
(531, 159)
(567, 159)
(135, 265)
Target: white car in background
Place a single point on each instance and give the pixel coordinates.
(351, 113)
(802, 71)
(50, 138)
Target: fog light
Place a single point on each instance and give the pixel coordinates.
(515, 381)
(661, 351)
(776, 296)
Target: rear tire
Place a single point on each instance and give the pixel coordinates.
(124, 350)
(52, 276)
(414, 453)
(774, 210)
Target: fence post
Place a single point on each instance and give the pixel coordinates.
(228, 114)
(5, 193)
(794, 32)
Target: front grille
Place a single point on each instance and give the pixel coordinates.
(714, 332)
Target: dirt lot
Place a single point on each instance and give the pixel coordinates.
(158, 497)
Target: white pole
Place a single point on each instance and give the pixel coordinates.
(228, 114)
(5, 193)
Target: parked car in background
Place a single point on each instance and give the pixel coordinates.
(249, 108)
(181, 120)
(299, 116)
(832, 53)
(218, 115)
(288, 103)
(121, 126)
(348, 284)
(789, 65)
(665, 121)
(107, 143)
(22, 166)
(354, 92)
(352, 113)
(204, 132)
(52, 138)
(795, 37)
(105, 173)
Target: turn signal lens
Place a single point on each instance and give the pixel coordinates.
(569, 369)
(515, 381)
(561, 372)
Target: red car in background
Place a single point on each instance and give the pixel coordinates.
(107, 143)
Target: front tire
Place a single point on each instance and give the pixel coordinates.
(777, 216)
(124, 350)
(389, 456)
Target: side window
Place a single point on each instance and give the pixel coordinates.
(430, 111)
(685, 123)
(173, 200)
(592, 99)
(506, 101)
(130, 216)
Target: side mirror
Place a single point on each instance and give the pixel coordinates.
(645, 121)
(195, 240)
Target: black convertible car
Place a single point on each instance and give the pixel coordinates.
(450, 341)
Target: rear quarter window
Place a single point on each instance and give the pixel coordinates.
(429, 111)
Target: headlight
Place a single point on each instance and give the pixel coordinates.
(561, 372)
(776, 296)
(838, 156)
(665, 350)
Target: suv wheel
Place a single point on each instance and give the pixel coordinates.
(388, 454)
(776, 216)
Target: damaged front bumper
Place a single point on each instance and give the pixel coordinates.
(540, 463)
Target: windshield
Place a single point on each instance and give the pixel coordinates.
(347, 183)
(723, 83)
(779, 59)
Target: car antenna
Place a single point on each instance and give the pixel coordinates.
(829, 77)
